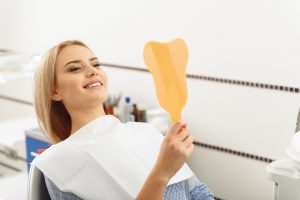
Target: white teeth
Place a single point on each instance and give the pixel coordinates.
(93, 85)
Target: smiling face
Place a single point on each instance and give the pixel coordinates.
(80, 82)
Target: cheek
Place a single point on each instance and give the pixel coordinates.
(106, 85)
(104, 76)
(68, 87)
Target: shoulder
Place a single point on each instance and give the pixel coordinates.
(57, 151)
(63, 156)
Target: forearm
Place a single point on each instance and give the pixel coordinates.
(153, 188)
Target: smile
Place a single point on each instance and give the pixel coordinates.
(93, 85)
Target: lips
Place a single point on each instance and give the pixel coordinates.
(92, 84)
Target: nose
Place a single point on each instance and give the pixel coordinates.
(92, 71)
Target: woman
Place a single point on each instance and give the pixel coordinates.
(94, 156)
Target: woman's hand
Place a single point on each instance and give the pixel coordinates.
(175, 149)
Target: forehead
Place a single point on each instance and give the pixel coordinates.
(73, 52)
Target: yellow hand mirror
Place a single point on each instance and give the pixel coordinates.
(167, 64)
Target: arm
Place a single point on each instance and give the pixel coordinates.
(174, 151)
(153, 188)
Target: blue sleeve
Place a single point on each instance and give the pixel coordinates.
(56, 194)
(198, 190)
(190, 189)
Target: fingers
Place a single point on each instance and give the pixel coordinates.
(177, 126)
(186, 147)
(190, 149)
(182, 135)
(188, 141)
(185, 143)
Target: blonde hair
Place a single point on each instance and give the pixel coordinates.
(53, 117)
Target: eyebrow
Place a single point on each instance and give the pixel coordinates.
(79, 61)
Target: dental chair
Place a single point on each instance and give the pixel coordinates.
(285, 173)
(37, 189)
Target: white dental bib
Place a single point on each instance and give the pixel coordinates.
(105, 159)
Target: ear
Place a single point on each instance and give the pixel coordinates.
(55, 96)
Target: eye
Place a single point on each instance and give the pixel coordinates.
(74, 69)
(97, 65)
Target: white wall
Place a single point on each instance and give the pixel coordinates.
(257, 41)
(242, 39)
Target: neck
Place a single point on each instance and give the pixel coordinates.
(81, 117)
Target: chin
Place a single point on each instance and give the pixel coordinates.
(101, 98)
